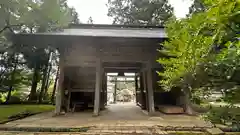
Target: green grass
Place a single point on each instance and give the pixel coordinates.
(9, 110)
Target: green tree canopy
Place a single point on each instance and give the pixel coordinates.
(197, 6)
(139, 12)
(195, 41)
(30, 16)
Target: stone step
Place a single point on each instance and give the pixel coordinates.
(109, 132)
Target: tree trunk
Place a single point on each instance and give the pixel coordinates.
(43, 85)
(55, 85)
(48, 74)
(12, 78)
(187, 102)
(33, 92)
(45, 79)
(48, 82)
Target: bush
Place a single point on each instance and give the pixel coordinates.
(227, 115)
(15, 99)
(2, 98)
(47, 97)
(219, 100)
(17, 96)
(196, 100)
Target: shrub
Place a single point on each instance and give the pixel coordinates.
(14, 99)
(2, 98)
(196, 100)
(227, 115)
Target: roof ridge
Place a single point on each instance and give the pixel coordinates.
(99, 26)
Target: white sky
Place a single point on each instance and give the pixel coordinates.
(98, 10)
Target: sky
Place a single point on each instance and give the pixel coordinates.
(98, 10)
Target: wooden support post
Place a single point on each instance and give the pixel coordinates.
(59, 92)
(105, 88)
(150, 89)
(115, 91)
(142, 86)
(145, 90)
(136, 88)
(97, 87)
(102, 97)
(69, 100)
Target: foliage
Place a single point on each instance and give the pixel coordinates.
(227, 115)
(223, 73)
(144, 12)
(17, 96)
(192, 42)
(90, 20)
(186, 47)
(74, 14)
(199, 52)
(23, 65)
(197, 6)
(2, 98)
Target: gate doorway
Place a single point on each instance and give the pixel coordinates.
(122, 99)
(121, 88)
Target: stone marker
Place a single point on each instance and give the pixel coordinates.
(215, 131)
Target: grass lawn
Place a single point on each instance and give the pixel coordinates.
(9, 110)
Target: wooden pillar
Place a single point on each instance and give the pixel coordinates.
(59, 92)
(145, 90)
(103, 92)
(69, 100)
(150, 89)
(136, 88)
(97, 87)
(105, 87)
(142, 87)
(115, 91)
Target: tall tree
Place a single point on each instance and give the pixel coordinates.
(31, 16)
(139, 12)
(15, 61)
(197, 6)
(44, 78)
(90, 20)
(193, 42)
(75, 19)
(54, 15)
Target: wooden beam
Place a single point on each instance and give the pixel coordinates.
(135, 68)
(121, 76)
(122, 64)
(123, 81)
(81, 90)
(126, 70)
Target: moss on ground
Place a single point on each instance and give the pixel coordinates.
(9, 110)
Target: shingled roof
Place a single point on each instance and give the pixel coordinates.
(98, 30)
